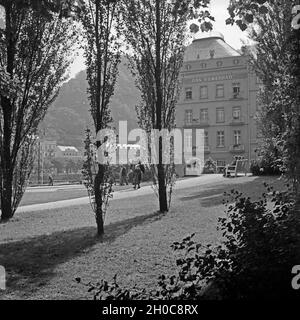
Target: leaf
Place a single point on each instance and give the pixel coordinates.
(263, 10)
(194, 28)
(78, 279)
(249, 17)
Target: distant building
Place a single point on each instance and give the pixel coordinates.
(68, 152)
(218, 95)
(48, 148)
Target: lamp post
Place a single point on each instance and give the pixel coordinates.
(40, 161)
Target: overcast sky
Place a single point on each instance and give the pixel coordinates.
(218, 8)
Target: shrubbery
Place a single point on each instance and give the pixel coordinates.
(209, 166)
(259, 168)
(253, 261)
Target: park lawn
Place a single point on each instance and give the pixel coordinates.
(36, 197)
(30, 198)
(43, 252)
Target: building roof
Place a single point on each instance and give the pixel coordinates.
(67, 148)
(209, 45)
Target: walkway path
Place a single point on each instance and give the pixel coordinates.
(128, 193)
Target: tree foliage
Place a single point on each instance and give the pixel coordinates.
(35, 54)
(276, 62)
(102, 54)
(89, 171)
(48, 8)
(155, 32)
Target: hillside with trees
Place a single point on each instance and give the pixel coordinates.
(69, 115)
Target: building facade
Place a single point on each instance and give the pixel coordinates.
(68, 152)
(218, 95)
(48, 148)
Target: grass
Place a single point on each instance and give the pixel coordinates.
(36, 197)
(44, 252)
(43, 197)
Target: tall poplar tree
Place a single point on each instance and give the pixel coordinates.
(156, 32)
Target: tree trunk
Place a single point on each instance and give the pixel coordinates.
(163, 201)
(98, 200)
(6, 162)
(7, 109)
(6, 196)
(98, 124)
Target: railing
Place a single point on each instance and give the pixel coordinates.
(196, 122)
(237, 148)
(237, 121)
(237, 95)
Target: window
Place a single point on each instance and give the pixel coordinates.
(203, 65)
(203, 115)
(188, 67)
(188, 93)
(236, 61)
(236, 89)
(220, 139)
(220, 115)
(219, 63)
(188, 141)
(206, 139)
(237, 137)
(203, 92)
(188, 116)
(236, 113)
(220, 91)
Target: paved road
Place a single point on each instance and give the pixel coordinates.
(122, 194)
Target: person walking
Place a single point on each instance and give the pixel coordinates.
(137, 176)
(50, 180)
(123, 176)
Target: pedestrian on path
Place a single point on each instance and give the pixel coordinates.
(123, 176)
(137, 176)
(50, 180)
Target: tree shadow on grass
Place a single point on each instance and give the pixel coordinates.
(30, 263)
(214, 196)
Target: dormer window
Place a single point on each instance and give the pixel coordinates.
(188, 67)
(219, 63)
(236, 61)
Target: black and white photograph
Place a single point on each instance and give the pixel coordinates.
(150, 153)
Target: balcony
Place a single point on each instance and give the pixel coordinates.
(237, 148)
(237, 121)
(196, 123)
(237, 95)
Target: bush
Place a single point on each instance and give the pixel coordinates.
(259, 168)
(209, 166)
(255, 168)
(253, 261)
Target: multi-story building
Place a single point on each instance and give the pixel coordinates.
(68, 152)
(48, 148)
(218, 95)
